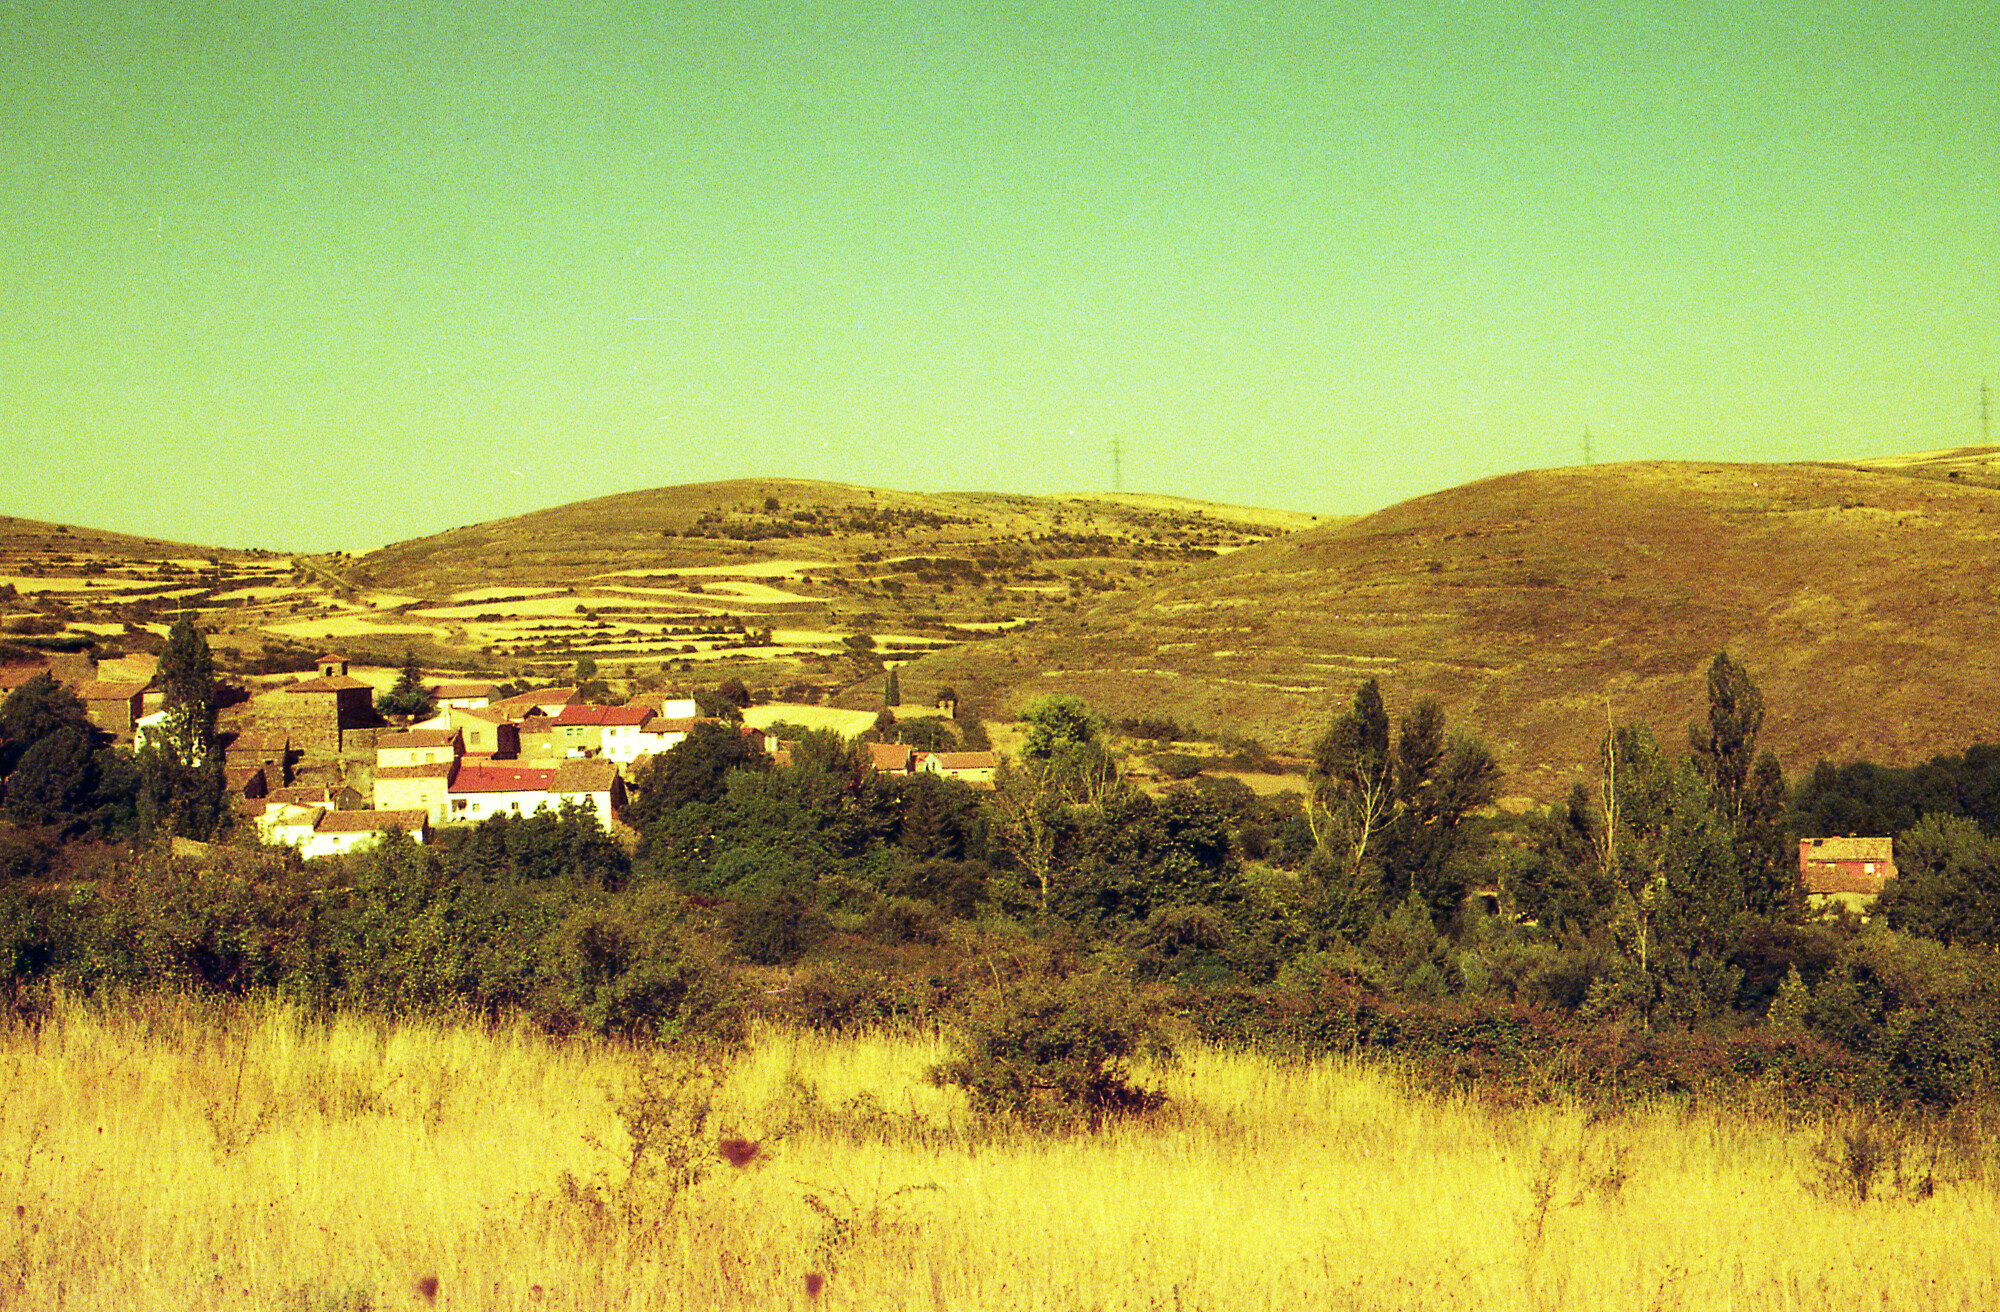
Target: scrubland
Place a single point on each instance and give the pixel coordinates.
(165, 1153)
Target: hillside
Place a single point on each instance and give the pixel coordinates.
(1862, 599)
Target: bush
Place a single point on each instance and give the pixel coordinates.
(615, 975)
(1055, 1054)
(777, 928)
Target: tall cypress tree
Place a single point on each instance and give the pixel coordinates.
(181, 767)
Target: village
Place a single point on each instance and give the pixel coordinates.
(311, 763)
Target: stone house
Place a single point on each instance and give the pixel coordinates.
(484, 730)
(113, 707)
(418, 747)
(319, 713)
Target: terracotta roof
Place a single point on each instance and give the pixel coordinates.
(99, 690)
(1841, 879)
(431, 770)
(502, 779)
(670, 724)
(362, 822)
(463, 690)
(300, 795)
(486, 714)
(410, 738)
(334, 684)
(1847, 849)
(238, 775)
(261, 740)
(540, 697)
(615, 715)
(584, 776)
(964, 760)
(13, 676)
(890, 756)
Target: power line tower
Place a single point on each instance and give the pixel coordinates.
(1117, 463)
(1985, 413)
(1589, 451)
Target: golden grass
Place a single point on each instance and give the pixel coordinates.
(161, 1154)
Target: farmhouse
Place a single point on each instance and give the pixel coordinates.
(462, 694)
(316, 831)
(972, 767)
(1845, 871)
(112, 707)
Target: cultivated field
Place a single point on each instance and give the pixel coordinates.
(159, 1154)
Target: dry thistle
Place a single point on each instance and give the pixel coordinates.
(814, 1283)
(427, 1289)
(739, 1152)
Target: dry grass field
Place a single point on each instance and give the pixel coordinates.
(160, 1154)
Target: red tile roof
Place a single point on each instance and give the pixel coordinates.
(98, 690)
(964, 760)
(463, 690)
(261, 740)
(432, 770)
(362, 822)
(13, 676)
(613, 715)
(584, 776)
(502, 779)
(890, 756)
(414, 738)
(540, 697)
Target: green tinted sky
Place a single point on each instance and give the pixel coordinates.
(317, 275)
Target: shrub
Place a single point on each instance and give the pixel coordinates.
(777, 928)
(617, 976)
(1055, 1054)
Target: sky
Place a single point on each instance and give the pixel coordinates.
(311, 275)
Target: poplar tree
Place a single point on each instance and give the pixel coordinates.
(181, 767)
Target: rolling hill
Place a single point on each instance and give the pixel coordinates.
(1862, 598)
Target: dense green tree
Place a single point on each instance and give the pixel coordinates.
(926, 735)
(181, 765)
(1389, 818)
(1726, 746)
(1352, 790)
(1947, 884)
(695, 769)
(1064, 769)
(409, 696)
(32, 712)
(715, 705)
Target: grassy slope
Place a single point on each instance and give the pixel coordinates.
(1862, 600)
(624, 531)
(163, 1156)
